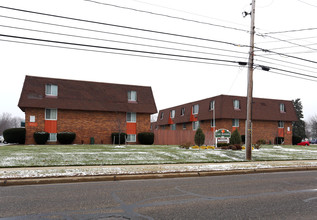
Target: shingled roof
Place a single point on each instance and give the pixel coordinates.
(262, 109)
(84, 95)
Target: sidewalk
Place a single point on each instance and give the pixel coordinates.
(45, 175)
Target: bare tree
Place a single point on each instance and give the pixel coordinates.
(312, 124)
(8, 121)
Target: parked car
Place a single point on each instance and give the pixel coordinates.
(304, 143)
(313, 141)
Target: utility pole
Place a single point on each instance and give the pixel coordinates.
(250, 87)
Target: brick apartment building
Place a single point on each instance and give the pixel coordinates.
(90, 109)
(270, 118)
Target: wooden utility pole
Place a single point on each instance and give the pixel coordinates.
(250, 88)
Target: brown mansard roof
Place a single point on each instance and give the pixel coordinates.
(84, 95)
(262, 109)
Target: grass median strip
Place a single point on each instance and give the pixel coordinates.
(95, 155)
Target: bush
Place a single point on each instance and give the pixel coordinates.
(279, 140)
(115, 138)
(14, 135)
(235, 137)
(66, 137)
(41, 137)
(296, 140)
(186, 145)
(146, 138)
(261, 142)
(199, 137)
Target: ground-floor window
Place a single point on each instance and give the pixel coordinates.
(131, 138)
(281, 124)
(52, 137)
(173, 127)
(195, 125)
(235, 122)
(184, 126)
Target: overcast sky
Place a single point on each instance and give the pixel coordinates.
(213, 31)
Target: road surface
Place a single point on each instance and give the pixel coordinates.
(287, 195)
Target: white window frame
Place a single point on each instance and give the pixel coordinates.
(173, 127)
(235, 122)
(195, 109)
(46, 116)
(172, 113)
(131, 138)
(280, 124)
(211, 105)
(51, 90)
(132, 96)
(162, 116)
(131, 117)
(52, 137)
(196, 125)
(182, 111)
(282, 107)
(236, 104)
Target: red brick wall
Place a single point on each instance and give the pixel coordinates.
(262, 130)
(86, 124)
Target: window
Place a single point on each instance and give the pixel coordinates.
(236, 104)
(162, 115)
(183, 111)
(282, 108)
(132, 96)
(211, 105)
(195, 109)
(212, 124)
(173, 127)
(195, 125)
(281, 124)
(50, 114)
(52, 137)
(235, 122)
(32, 118)
(51, 90)
(173, 114)
(131, 138)
(131, 117)
(184, 126)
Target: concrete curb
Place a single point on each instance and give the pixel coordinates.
(54, 180)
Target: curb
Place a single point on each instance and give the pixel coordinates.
(55, 180)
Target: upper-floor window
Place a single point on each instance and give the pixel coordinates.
(281, 124)
(131, 117)
(183, 111)
(236, 104)
(132, 96)
(162, 115)
(235, 122)
(51, 90)
(282, 107)
(51, 114)
(212, 105)
(195, 109)
(172, 113)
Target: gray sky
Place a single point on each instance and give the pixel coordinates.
(219, 22)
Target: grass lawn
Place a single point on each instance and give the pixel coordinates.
(74, 155)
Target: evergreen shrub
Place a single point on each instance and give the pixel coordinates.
(14, 135)
(66, 137)
(146, 138)
(41, 137)
(199, 137)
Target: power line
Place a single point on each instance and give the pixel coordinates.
(118, 49)
(124, 35)
(168, 16)
(122, 26)
(290, 31)
(297, 77)
(307, 3)
(115, 41)
(118, 53)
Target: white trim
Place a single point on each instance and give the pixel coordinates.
(129, 136)
(53, 89)
(51, 118)
(52, 135)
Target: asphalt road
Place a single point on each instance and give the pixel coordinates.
(289, 195)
